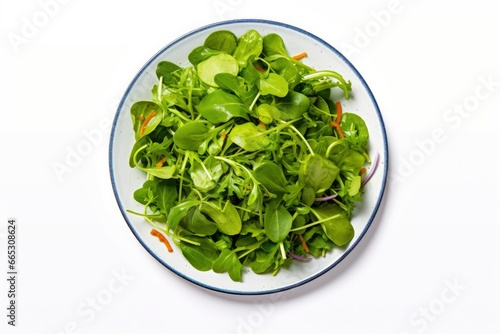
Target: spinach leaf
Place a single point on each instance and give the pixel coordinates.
(191, 136)
(277, 222)
(293, 105)
(220, 106)
(228, 262)
(221, 40)
(201, 257)
(271, 176)
(219, 63)
(250, 44)
(335, 223)
(227, 219)
(249, 136)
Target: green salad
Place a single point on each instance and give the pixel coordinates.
(248, 160)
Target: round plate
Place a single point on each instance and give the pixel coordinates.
(126, 180)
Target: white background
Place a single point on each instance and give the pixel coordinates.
(429, 264)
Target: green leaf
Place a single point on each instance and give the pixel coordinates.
(200, 257)
(191, 136)
(197, 223)
(273, 45)
(228, 262)
(165, 70)
(271, 176)
(167, 195)
(200, 54)
(293, 105)
(249, 136)
(220, 63)
(166, 172)
(227, 219)
(220, 106)
(249, 45)
(273, 84)
(336, 225)
(178, 212)
(318, 173)
(277, 222)
(267, 113)
(148, 113)
(221, 40)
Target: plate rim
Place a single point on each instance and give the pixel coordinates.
(385, 154)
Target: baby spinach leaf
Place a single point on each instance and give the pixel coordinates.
(166, 172)
(180, 211)
(220, 106)
(227, 219)
(201, 257)
(264, 260)
(221, 40)
(273, 84)
(273, 44)
(249, 45)
(271, 176)
(249, 136)
(336, 225)
(267, 113)
(355, 130)
(238, 86)
(197, 223)
(191, 136)
(277, 222)
(228, 262)
(200, 54)
(220, 63)
(166, 191)
(165, 70)
(146, 116)
(293, 105)
(318, 173)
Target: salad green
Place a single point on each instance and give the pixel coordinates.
(248, 160)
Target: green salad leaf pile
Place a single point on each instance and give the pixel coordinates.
(248, 160)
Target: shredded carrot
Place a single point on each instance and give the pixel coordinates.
(337, 126)
(362, 170)
(300, 56)
(259, 68)
(262, 125)
(146, 121)
(161, 162)
(338, 106)
(303, 243)
(223, 134)
(162, 239)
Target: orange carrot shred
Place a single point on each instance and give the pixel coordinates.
(146, 121)
(162, 239)
(262, 125)
(362, 170)
(338, 106)
(300, 56)
(337, 126)
(223, 134)
(259, 68)
(161, 162)
(303, 243)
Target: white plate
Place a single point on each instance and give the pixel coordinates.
(126, 180)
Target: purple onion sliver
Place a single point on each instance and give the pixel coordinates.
(299, 258)
(372, 170)
(325, 199)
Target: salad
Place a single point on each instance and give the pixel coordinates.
(248, 156)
